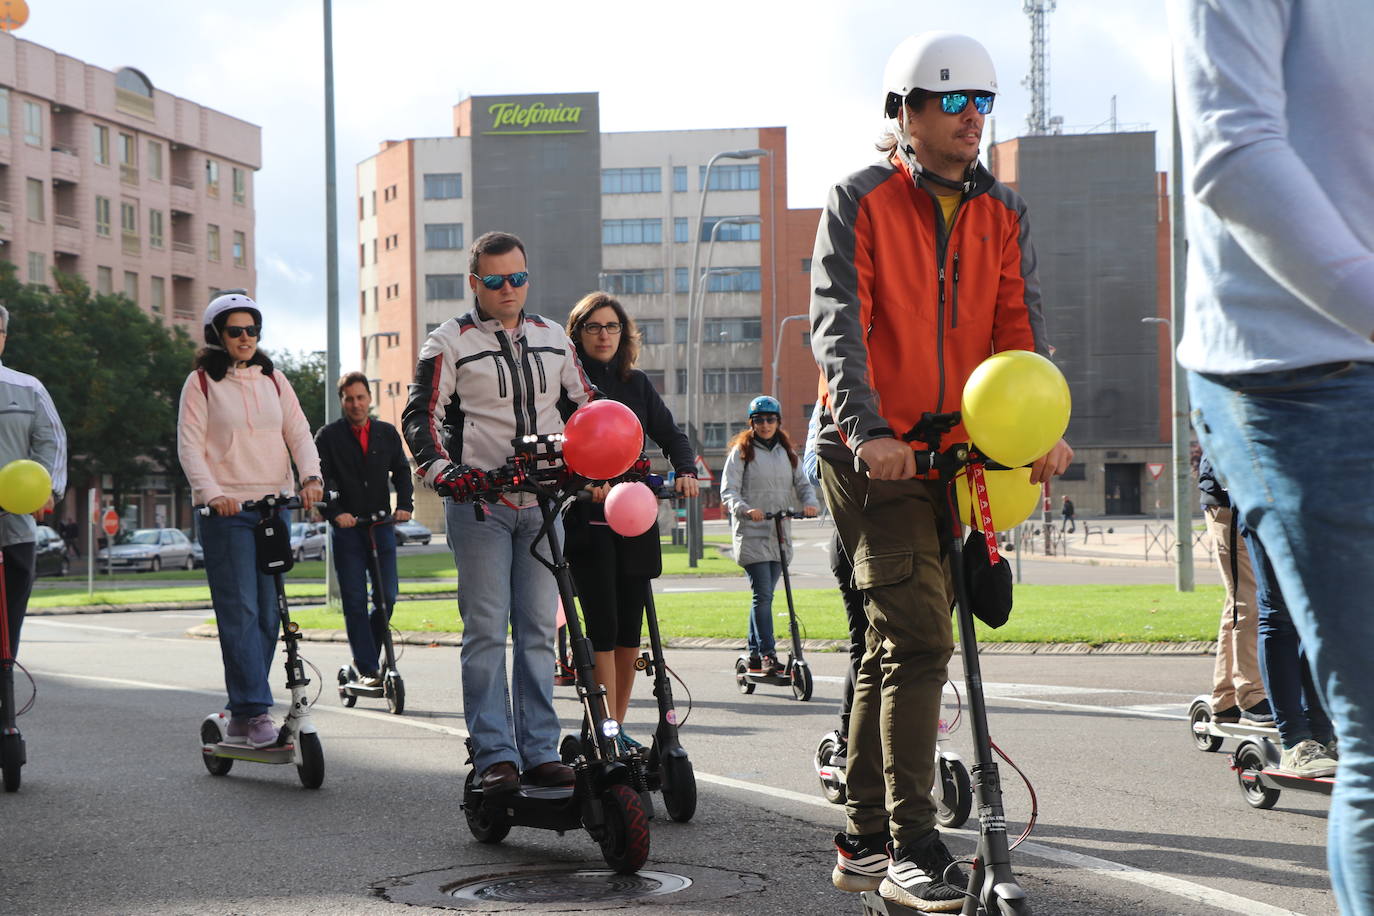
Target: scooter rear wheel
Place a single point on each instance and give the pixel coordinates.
(802, 681)
(679, 789)
(1249, 762)
(395, 690)
(218, 766)
(625, 835)
(742, 681)
(954, 793)
(311, 766)
(484, 828)
(11, 761)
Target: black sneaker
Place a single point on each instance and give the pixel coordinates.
(773, 667)
(861, 861)
(1230, 714)
(1259, 714)
(924, 876)
(755, 664)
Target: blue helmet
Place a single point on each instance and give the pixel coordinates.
(764, 404)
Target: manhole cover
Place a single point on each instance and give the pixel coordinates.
(584, 886)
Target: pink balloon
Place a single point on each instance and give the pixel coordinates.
(631, 509)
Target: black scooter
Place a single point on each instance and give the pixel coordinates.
(604, 799)
(12, 753)
(297, 740)
(392, 688)
(796, 673)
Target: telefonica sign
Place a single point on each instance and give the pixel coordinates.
(536, 118)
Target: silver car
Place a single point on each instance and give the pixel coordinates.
(308, 540)
(150, 549)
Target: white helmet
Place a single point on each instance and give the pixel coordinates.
(936, 62)
(234, 300)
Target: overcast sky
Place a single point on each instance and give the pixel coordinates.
(812, 66)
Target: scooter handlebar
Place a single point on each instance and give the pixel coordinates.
(272, 501)
(785, 513)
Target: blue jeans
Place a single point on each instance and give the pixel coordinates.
(501, 585)
(366, 627)
(1298, 712)
(1294, 448)
(245, 603)
(763, 578)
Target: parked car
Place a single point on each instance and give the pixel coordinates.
(50, 553)
(197, 555)
(308, 540)
(148, 548)
(412, 532)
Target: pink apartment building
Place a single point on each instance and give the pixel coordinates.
(134, 189)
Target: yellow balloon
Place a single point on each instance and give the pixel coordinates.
(24, 486)
(1015, 406)
(1011, 498)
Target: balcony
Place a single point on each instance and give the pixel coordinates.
(184, 195)
(184, 260)
(128, 173)
(66, 235)
(66, 164)
(131, 244)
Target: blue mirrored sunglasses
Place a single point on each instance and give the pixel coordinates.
(496, 281)
(956, 102)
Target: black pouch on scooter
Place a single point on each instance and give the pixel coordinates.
(272, 538)
(989, 587)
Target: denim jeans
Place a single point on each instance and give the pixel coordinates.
(1298, 712)
(500, 585)
(352, 562)
(245, 603)
(763, 579)
(1294, 448)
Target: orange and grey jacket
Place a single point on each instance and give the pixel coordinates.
(903, 311)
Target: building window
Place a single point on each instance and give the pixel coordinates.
(154, 160)
(442, 186)
(102, 216)
(681, 279)
(713, 435)
(374, 251)
(650, 330)
(445, 286)
(362, 302)
(632, 282)
(157, 294)
(33, 125)
(443, 236)
(131, 286)
(748, 280)
(212, 178)
(679, 178)
(743, 177)
(375, 303)
(362, 255)
(631, 231)
(37, 267)
(4, 112)
(128, 159)
(681, 233)
(631, 181)
(362, 203)
(656, 379)
(100, 144)
(240, 186)
(1075, 471)
(373, 195)
(713, 381)
(155, 228)
(733, 330)
(212, 241)
(36, 194)
(729, 232)
(240, 249)
(128, 222)
(104, 281)
(680, 382)
(806, 265)
(806, 339)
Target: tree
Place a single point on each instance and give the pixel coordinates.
(305, 372)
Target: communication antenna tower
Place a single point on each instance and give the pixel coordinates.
(1038, 121)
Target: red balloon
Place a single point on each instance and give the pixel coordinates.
(602, 439)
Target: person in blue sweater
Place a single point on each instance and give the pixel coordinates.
(1273, 100)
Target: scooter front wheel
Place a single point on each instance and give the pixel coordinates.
(679, 789)
(832, 789)
(802, 681)
(218, 766)
(11, 761)
(1199, 717)
(310, 768)
(346, 698)
(953, 793)
(625, 834)
(742, 681)
(395, 690)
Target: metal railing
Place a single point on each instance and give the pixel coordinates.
(62, 219)
(181, 182)
(184, 247)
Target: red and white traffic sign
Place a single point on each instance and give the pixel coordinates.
(704, 471)
(1155, 468)
(109, 522)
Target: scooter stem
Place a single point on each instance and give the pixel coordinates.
(787, 588)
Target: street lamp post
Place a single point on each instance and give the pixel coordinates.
(694, 550)
(1180, 440)
(777, 348)
(331, 269)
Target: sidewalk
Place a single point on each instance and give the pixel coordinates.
(1129, 540)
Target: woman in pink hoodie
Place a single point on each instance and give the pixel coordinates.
(238, 431)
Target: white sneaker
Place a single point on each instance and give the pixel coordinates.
(1306, 758)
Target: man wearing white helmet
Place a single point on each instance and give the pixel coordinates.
(923, 267)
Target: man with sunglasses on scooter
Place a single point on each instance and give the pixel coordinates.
(484, 378)
(923, 267)
(358, 454)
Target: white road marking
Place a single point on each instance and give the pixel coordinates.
(1222, 900)
(45, 622)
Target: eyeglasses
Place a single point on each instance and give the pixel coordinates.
(955, 102)
(592, 328)
(494, 282)
(235, 331)
(764, 418)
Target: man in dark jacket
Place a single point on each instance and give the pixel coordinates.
(357, 454)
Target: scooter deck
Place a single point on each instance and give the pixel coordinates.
(780, 680)
(1276, 779)
(358, 690)
(277, 754)
(1235, 730)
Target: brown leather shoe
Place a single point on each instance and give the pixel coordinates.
(549, 774)
(500, 777)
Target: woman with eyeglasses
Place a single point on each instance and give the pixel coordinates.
(238, 431)
(612, 572)
(763, 474)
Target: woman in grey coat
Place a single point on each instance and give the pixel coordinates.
(763, 474)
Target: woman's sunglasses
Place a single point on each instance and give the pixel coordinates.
(494, 282)
(235, 331)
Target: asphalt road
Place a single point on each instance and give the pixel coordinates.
(117, 814)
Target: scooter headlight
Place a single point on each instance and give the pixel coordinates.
(610, 728)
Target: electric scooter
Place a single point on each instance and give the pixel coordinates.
(12, 753)
(992, 887)
(297, 741)
(796, 673)
(392, 687)
(1208, 734)
(604, 799)
(952, 791)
